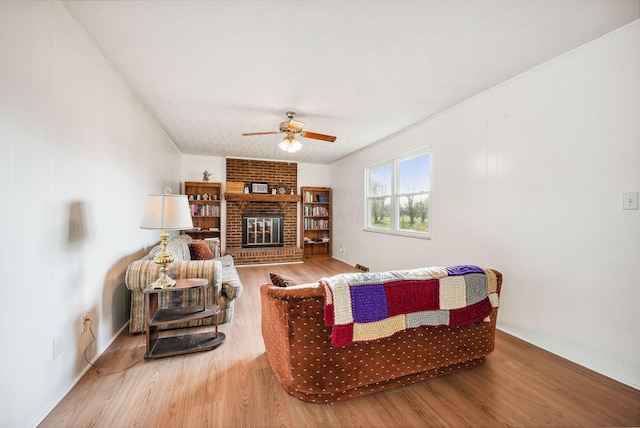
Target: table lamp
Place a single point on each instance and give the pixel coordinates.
(166, 212)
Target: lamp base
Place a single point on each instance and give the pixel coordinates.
(163, 282)
(163, 258)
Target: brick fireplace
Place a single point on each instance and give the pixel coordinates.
(275, 174)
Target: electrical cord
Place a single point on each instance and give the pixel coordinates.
(93, 340)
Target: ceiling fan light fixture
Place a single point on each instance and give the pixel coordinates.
(290, 144)
(292, 128)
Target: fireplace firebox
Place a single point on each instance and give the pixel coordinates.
(262, 230)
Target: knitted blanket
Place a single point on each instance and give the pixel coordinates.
(368, 306)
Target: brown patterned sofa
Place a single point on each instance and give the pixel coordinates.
(298, 346)
(224, 283)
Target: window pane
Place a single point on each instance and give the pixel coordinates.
(397, 195)
(414, 213)
(414, 175)
(380, 180)
(379, 211)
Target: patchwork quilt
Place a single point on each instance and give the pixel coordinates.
(368, 306)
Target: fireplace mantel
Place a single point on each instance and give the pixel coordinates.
(243, 199)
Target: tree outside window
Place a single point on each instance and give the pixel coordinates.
(380, 186)
(398, 194)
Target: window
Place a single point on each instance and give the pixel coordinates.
(398, 195)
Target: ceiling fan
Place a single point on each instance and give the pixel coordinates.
(292, 127)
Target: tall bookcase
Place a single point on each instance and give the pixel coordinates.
(315, 227)
(204, 202)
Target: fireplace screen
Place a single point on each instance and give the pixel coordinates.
(262, 230)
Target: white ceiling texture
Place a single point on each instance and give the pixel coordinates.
(360, 70)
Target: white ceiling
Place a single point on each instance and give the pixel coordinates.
(360, 70)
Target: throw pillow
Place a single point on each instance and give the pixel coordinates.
(281, 280)
(200, 251)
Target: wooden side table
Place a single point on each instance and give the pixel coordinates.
(158, 347)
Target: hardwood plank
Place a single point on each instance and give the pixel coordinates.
(233, 385)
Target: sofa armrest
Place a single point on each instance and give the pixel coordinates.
(141, 273)
(231, 285)
(275, 329)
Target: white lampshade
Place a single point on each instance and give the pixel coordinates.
(290, 144)
(167, 212)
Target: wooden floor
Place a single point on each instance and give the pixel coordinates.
(233, 386)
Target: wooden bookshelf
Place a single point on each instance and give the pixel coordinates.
(315, 223)
(204, 202)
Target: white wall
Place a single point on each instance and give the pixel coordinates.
(193, 166)
(314, 175)
(528, 179)
(76, 149)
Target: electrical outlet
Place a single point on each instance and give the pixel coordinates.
(630, 200)
(83, 321)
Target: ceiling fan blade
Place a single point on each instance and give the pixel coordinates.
(315, 136)
(259, 133)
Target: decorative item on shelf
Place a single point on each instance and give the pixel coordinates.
(166, 212)
(246, 189)
(205, 175)
(273, 191)
(259, 187)
(235, 187)
(282, 189)
(205, 197)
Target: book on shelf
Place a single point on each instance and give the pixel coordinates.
(205, 210)
(310, 223)
(308, 196)
(313, 211)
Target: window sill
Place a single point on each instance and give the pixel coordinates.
(407, 234)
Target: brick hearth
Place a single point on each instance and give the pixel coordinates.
(251, 256)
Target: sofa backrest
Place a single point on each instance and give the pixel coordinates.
(298, 346)
(178, 246)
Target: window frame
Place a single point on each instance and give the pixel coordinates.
(395, 196)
